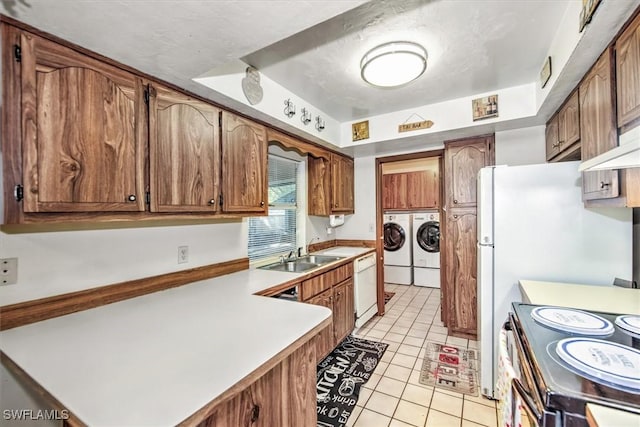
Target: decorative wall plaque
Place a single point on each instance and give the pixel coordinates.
(251, 86)
(588, 9)
(360, 130)
(545, 73)
(484, 108)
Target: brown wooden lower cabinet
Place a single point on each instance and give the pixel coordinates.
(325, 339)
(343, 319)
(334, 290)
(285, 396)
(461, 272)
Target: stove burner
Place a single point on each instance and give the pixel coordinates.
(629, 323)
(572, 321)
(604, 362)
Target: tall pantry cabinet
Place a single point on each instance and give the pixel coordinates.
(462, 160)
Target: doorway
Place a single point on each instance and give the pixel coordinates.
(402, 187)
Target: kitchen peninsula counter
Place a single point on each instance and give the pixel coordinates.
(611, 299)
(160, 358)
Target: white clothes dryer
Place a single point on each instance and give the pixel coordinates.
(426, 249)
(397, 249)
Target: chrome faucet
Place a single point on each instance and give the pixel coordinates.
(310, 241)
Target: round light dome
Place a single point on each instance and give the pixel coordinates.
(393, 64)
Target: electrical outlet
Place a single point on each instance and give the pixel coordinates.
(8, 271)
(183, 254)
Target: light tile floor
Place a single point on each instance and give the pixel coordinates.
(394, 397)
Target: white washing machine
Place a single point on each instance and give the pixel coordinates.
(426, 249)
(397, 249)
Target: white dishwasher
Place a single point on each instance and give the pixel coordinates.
(365, 288)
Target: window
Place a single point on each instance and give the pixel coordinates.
(276, 234)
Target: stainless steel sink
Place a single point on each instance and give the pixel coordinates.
(319, 259)
(291, 266)
(301, 264)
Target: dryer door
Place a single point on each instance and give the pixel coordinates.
(394, 236)
(428, 236)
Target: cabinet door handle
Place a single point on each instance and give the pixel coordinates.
(556, 145)
(455, 202)
(603, 184)
(132, 198)
(255, 413)
(455, 216)
(262, 204)
(560, 142)
(212, 202)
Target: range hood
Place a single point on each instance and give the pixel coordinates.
(626, 155)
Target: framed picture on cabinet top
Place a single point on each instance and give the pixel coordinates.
(360, 130)
(545, 73)
(484, 108)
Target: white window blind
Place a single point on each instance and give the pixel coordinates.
(276, 234)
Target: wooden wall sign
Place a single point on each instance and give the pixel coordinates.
(408, 127)
(360, 130)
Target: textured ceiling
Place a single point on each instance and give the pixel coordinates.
(473, 47)
(175, 40)
(313, 48)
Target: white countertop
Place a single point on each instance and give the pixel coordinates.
(608, 299)
(608, 417)
(158, 358)
(345, 251)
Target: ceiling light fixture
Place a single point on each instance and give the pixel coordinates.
(393, 64)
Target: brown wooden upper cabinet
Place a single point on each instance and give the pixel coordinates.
(330, 185)
(563, 132)
(184, 152)
(341, 184)
(394, 191)
(627, 50)
(83, 124)
(463, 159)
(411, 190)
(244, 165)
(598, 128)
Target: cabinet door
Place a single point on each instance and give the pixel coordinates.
(184, 152)
(259, 405)
(343, 310)
(597, 128)
(569, 123)
(463, 160)
(423, 189)
(83, 125)
(461, 271)
(552, 138)
(341, 184)
(325, 342)
(394, 191)
(244, 165)
(319, 186)
(628, 73)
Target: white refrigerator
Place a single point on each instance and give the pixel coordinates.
(532, 224)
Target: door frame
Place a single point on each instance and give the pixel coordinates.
(439, 153)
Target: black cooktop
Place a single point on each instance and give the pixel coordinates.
(560, 387)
